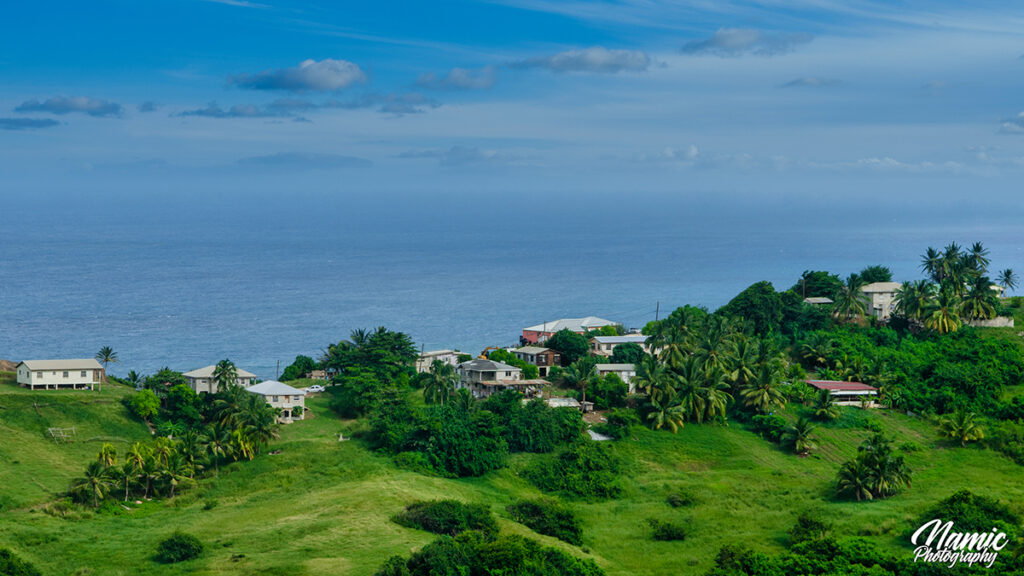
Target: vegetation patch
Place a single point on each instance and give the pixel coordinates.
(178, 547)
(666, 531)
(584, 469)
(12, 565)
(448, 517)
(549, 517)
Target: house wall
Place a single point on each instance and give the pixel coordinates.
(80, 378)
(287, 404)
(210, 384)
(423, 364)
(881, 304)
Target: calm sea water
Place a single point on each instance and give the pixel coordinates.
(185, 283)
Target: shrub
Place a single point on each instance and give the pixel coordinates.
(679, 499)
(620, 423)
(448, 517)
(178, 548)
(11, 565)
(210, 504)
(973, 513)
(585, 469)
(770, 426)
(808, 528)
(666, 531)
(549, 517)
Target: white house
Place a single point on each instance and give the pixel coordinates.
(486, 377)
(202, 380)
(881, 298)
(623, 371)
(450, 357)
(291, 401)
(847, 393)
(605, 345)
(56, 374)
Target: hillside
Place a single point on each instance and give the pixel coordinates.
(323, 507)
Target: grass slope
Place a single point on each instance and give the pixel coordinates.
(323, 507)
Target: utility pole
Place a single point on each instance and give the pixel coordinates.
(657, 310)
(278, 374)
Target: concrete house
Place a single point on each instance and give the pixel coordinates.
(290, 401)
(605, 345)
(542, 358)
(73, 374)
(450, 357)
(881, 298)
(541, 332)
(486, 377)
(847, 393)
(202, 380)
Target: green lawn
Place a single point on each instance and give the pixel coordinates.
(322, 507)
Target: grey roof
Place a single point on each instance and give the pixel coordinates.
(615, 367)
(574, 324)
(72, 364)
(431, 353)
(481, 365)
(274, 388)
(531, 349)
(207, 372)
(818, 300)
(634, 338)
(875, 287)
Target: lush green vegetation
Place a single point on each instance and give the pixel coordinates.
(178, 547)
(549, 517)
(448, 517)
(11, 565)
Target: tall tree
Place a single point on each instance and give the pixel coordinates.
(764, 392)
(106, 356)
(961, 426)
(799, 436)
(1007, 279)
(944, 314)
(872, 274)
(225, 374)
(441, 382)
(850, 302)
(913, 299)
(580, 374)
(94, 484)
(980, 302)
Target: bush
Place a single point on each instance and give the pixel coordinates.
(808, 528)
(620, 423)
(355, 395)
(586, 469)
(178, 548)
(608, 392)
(448, 517)
(679, 499)
(972, 513)
(666, 531)
(11, 565)
(549, 517)
(769, 426)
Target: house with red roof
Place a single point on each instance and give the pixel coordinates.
(847, 393)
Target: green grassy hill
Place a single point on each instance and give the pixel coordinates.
(323, 507)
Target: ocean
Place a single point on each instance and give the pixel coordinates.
(187, 281)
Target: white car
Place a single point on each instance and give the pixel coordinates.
(314, 388)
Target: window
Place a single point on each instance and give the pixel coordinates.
(39, 374)
(274, 398)
(508, 373)
(83, 373)
(65, 374)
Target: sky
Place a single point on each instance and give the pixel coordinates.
(726, 99)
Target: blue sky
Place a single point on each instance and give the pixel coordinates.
(771, 98)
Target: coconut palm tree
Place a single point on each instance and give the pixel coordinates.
(962, 427)
(464, 400)
(689, 390)
(241, 445)
(149, 471)
(825, 408)
(441, 382)
(217, 437)
(817, 349)
(714, 390)
(764, 393)
(850, 302)
(799, 437)
(106, 356)
(672, 338)
(855, 479)
(977, 258)
(359, 337)
(176, 472)
(94, 484)
(650, 375)
(944, 315)
(743, 358)
(1007, 279)
(666, 412)
(580, 374)
(225, 374)
(914, 298)
(980, 302)
(714, 343)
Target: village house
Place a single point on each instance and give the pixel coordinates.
(881, 298)
(624, 371)
(605, 345)
(542, 358)
(485, 377)
(202, 380)
(82, 373)
(541, 332)
(290, 401)
(846, 393)
(450, 357)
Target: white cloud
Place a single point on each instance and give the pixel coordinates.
(327, 75)
(66, 105)
(596, 59)
(738, 41)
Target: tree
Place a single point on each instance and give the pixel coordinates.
(799, 437)
(931, 264)
(441, 382)
(628, 353)
(764, 392)
(217, 438)
(667, 412)
(825, 408)
(759, 306)
(1007, 279)
(134, 461)
(107, 456)
(855, 479)
(961, 426)
(980, 302)
(106, 356)
(134, 378)
(872, 274)
(850, 302)
(225, 374)
(743, 360)
(689, 390)
(580, 374)
(145, 404)
(570, 345)
(176, 471)
(944, 315)
(714, 392)
(298, 369)
(653, 377)
(94, 484)
(816, 283)
(913, 299)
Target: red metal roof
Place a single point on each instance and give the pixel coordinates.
(837, 385)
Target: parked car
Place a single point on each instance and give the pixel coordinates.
(314, 388)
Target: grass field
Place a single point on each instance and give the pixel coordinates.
(323, 507)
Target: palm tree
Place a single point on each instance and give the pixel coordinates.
(225, 374)
(962, 427)
(106, 356)
(764, 392)
(743, 360)
(714, 392)
(218, 442)
(464, 400)
(980, 302)
(580, 374)
(817, 349)
(666, 412)
(855, 478)
(944, 316)
(977, 258)
(176, 471)
(714, 343)
(914, 298)
(94, 484)
(649, 375)
(107, 456)
(134, 378)
(798, 436)
(850, 302)
(441, 382)
(689, 392)
(359, 337)
(193, 447)
(150, 472)
(1007, 279)
(931, 264)
(241, 445)
(825, 408)
(162, 450)
(134, 462)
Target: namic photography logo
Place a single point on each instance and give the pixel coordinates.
(937, 542)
